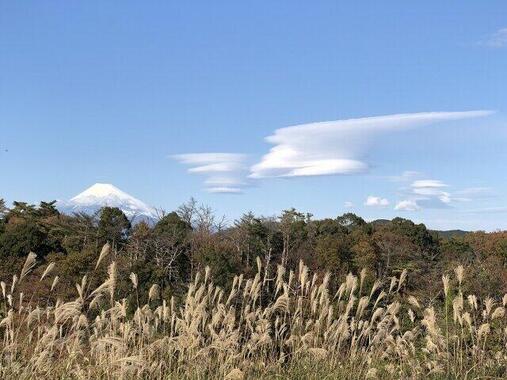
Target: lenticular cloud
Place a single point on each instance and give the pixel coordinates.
(225, 172)
(337, 147)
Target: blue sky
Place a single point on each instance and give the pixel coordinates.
(124, 92)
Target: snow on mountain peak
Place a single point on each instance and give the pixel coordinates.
(101, 190)
(104, 194)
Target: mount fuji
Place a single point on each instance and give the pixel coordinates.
(101, 195)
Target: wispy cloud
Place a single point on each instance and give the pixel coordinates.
(428, 184)
(472, 193)
(373, 201)
(225, 190)
(348, 204)
(337, 147)
(435, 194)
(225, 172)
(407, 175)
(425, 193)
(497, 39)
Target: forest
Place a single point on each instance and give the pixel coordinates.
(181, 243)
(106, 297)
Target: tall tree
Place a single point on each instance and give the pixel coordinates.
(3, 208)
(333, 253)
(292, 227)
(170, 247)
(248, 236)
(113, 227)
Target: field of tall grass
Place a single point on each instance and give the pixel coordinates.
(279, 324)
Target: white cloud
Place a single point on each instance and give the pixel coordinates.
(211, 161)
(407, 205)
(373, 201)
(497, 39)
(417, 193)
(430, 193)
(348, 204)
(337, 147)
(429, 189)
(428, 184)
(407, 175)
(224, 190)
(425, 193)
(225, 172)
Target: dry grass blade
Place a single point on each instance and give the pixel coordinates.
(134, 280)
(154, 292)
(30, 262)
(47, 271)
(106, 249)
(54, 283)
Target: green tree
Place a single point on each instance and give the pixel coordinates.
(350, 221)
(22, 210)
(249, 237)
(172, 224)
(419, 235)
(77, 232)
(113, 227)
(501, 248)
(47, 209)
(3, 212)
(3, 209)
(293, 229)
(28, 228)
(333, 253)
(169, 248)
(365, 255)
(19, 239)
(396, 253)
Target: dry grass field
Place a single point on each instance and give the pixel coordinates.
(283, 325)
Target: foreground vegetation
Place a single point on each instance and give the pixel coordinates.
(281, 324)
(189, 296)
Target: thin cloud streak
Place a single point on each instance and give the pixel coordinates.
(337, 147)
(224, 190)
(225, 172)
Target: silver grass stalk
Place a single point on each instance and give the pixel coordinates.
(30, 262)
(133, 279)
(154, 292)
(106, 249)
(112, 279)
(55, 282)
(459, 271)
(445, 281)
(47, 271)
(14, 282)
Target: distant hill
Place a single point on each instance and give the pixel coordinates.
(449, 234)
(380, 222)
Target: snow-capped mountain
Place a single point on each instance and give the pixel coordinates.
(103, 194)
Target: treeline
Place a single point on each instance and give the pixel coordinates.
(172, 250)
